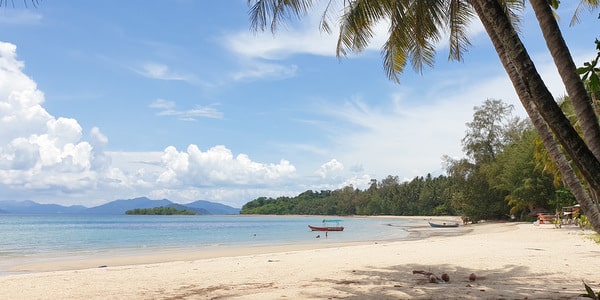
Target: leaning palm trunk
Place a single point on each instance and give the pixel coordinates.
(527, 99)
(566, 68)
(578, 95)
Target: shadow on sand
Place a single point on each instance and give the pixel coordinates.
(399, 282)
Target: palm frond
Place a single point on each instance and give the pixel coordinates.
(274, 12)
(395, 50)
(394, 58)
(325, 17)
(356, 25)
(428, 18)
(460, 14)
(34, 3)
(591, 5)
(514, 9)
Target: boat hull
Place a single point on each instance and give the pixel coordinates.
(320, 228)
(443, 225)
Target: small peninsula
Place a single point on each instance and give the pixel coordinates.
(161, 210)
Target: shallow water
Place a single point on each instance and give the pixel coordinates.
(48, 235)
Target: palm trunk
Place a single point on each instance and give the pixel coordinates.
(526, 97)
(567, 70)
(543, 101)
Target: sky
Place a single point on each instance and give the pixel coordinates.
(181, 100)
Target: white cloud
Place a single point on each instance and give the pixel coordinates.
(258, 70)
(21, 113)
(283, 44)
(167, 108)
(217, 167)
(330, 167)
(37, 151)
(161, 71)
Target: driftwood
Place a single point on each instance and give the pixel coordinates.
(432, 277)
(444, 278)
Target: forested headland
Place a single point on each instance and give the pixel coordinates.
(162, 210)
(506, 172)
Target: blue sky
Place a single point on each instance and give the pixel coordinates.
(178, 99)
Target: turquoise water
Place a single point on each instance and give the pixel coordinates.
(25, 236)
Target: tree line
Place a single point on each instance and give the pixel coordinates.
(506, 173)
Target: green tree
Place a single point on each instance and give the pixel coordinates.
(488, 134)
(492, 129)
(527, 186)
(388, 195)
(590, 73)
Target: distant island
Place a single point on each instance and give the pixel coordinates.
(161, 210)
(116, 207)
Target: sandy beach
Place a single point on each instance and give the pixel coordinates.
(510, 261)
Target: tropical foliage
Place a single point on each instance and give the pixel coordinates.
(420, 196)
(501, 177)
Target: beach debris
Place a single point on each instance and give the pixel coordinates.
(103, 266)
(472, 277)
(432, 277)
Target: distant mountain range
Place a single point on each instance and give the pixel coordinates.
(116, 207)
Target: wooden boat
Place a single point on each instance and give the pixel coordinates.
(443, 224)
(326, 227)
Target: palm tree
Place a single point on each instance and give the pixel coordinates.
(568, 72)
(416, 26)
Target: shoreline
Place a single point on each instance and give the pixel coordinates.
(511, 261)
(140, 256)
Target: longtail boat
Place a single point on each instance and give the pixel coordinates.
(327, 227)
(443, 224)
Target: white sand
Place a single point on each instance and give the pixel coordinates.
(511, 261)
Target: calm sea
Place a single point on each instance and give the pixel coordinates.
(33, 236)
